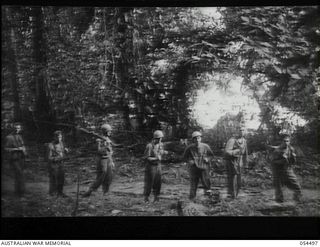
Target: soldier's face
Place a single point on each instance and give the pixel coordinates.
(241, 132)
(59, 138)
(108, 133)
(286, 141)
(18, 128)
(197, 139)
(157, 140)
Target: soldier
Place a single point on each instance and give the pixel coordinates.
(56, 155)
(105, 163)
(283, 158)
(198, 163)
(153, 155)
(236, 155)
(17, 152)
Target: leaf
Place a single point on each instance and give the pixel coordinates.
(139, 90)
(295, 76)
(279, 70)
(209, 44)
(266, 44)
(257, 20)
(244, 18)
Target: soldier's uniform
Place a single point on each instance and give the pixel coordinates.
(236, 153)
(105, 166)
(105, 163)
(56, 154)
(282, 160)
(198, 164)
(17, 161)
(152, 178)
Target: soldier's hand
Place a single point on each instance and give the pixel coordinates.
(236, 152)
(24, 150)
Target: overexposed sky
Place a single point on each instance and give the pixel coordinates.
(214, 103)
(210, 11)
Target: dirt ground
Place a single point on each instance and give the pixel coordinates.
(125, 197)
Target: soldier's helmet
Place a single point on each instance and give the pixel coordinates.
(106, 127)
(57, 133)
(196, 134)
(286, 136)
(157, 134)
(17, 124)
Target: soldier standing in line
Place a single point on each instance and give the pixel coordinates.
(197, 156)
(56, 155)
(236, 155)
(17, 152)
(153, 156)
(282, 161)
(105, 163)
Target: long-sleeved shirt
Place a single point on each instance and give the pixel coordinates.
(198, 154)
(154, 151)
(237, 150)
(105, 147)
(284, 154)
(13, 142)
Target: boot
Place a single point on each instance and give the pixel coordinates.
(61, 194)
(279, 199)
(146, 199)
(207, 192)
(297, 197)
(87, 194)
(156, 198)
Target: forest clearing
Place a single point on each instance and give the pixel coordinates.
(152, 101)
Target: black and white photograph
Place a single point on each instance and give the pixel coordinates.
(160, 111)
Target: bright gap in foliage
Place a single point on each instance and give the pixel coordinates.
(216, 102)
(226, 95)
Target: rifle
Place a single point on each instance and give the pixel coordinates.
(104, 138)
(283, 154)
(92, 133)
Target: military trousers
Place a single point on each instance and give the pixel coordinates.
(197, 174)
(283, 174)
(152, 179)
(56, 177)
(104, 174)
(18, 165)
(233, 178)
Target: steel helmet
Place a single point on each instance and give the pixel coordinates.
(106, 127)
(158, 134)
(196, 134)
(57, 132)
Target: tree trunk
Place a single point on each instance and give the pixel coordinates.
(42, 106)
(12, 64)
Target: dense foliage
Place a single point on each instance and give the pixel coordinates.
(61, 63)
